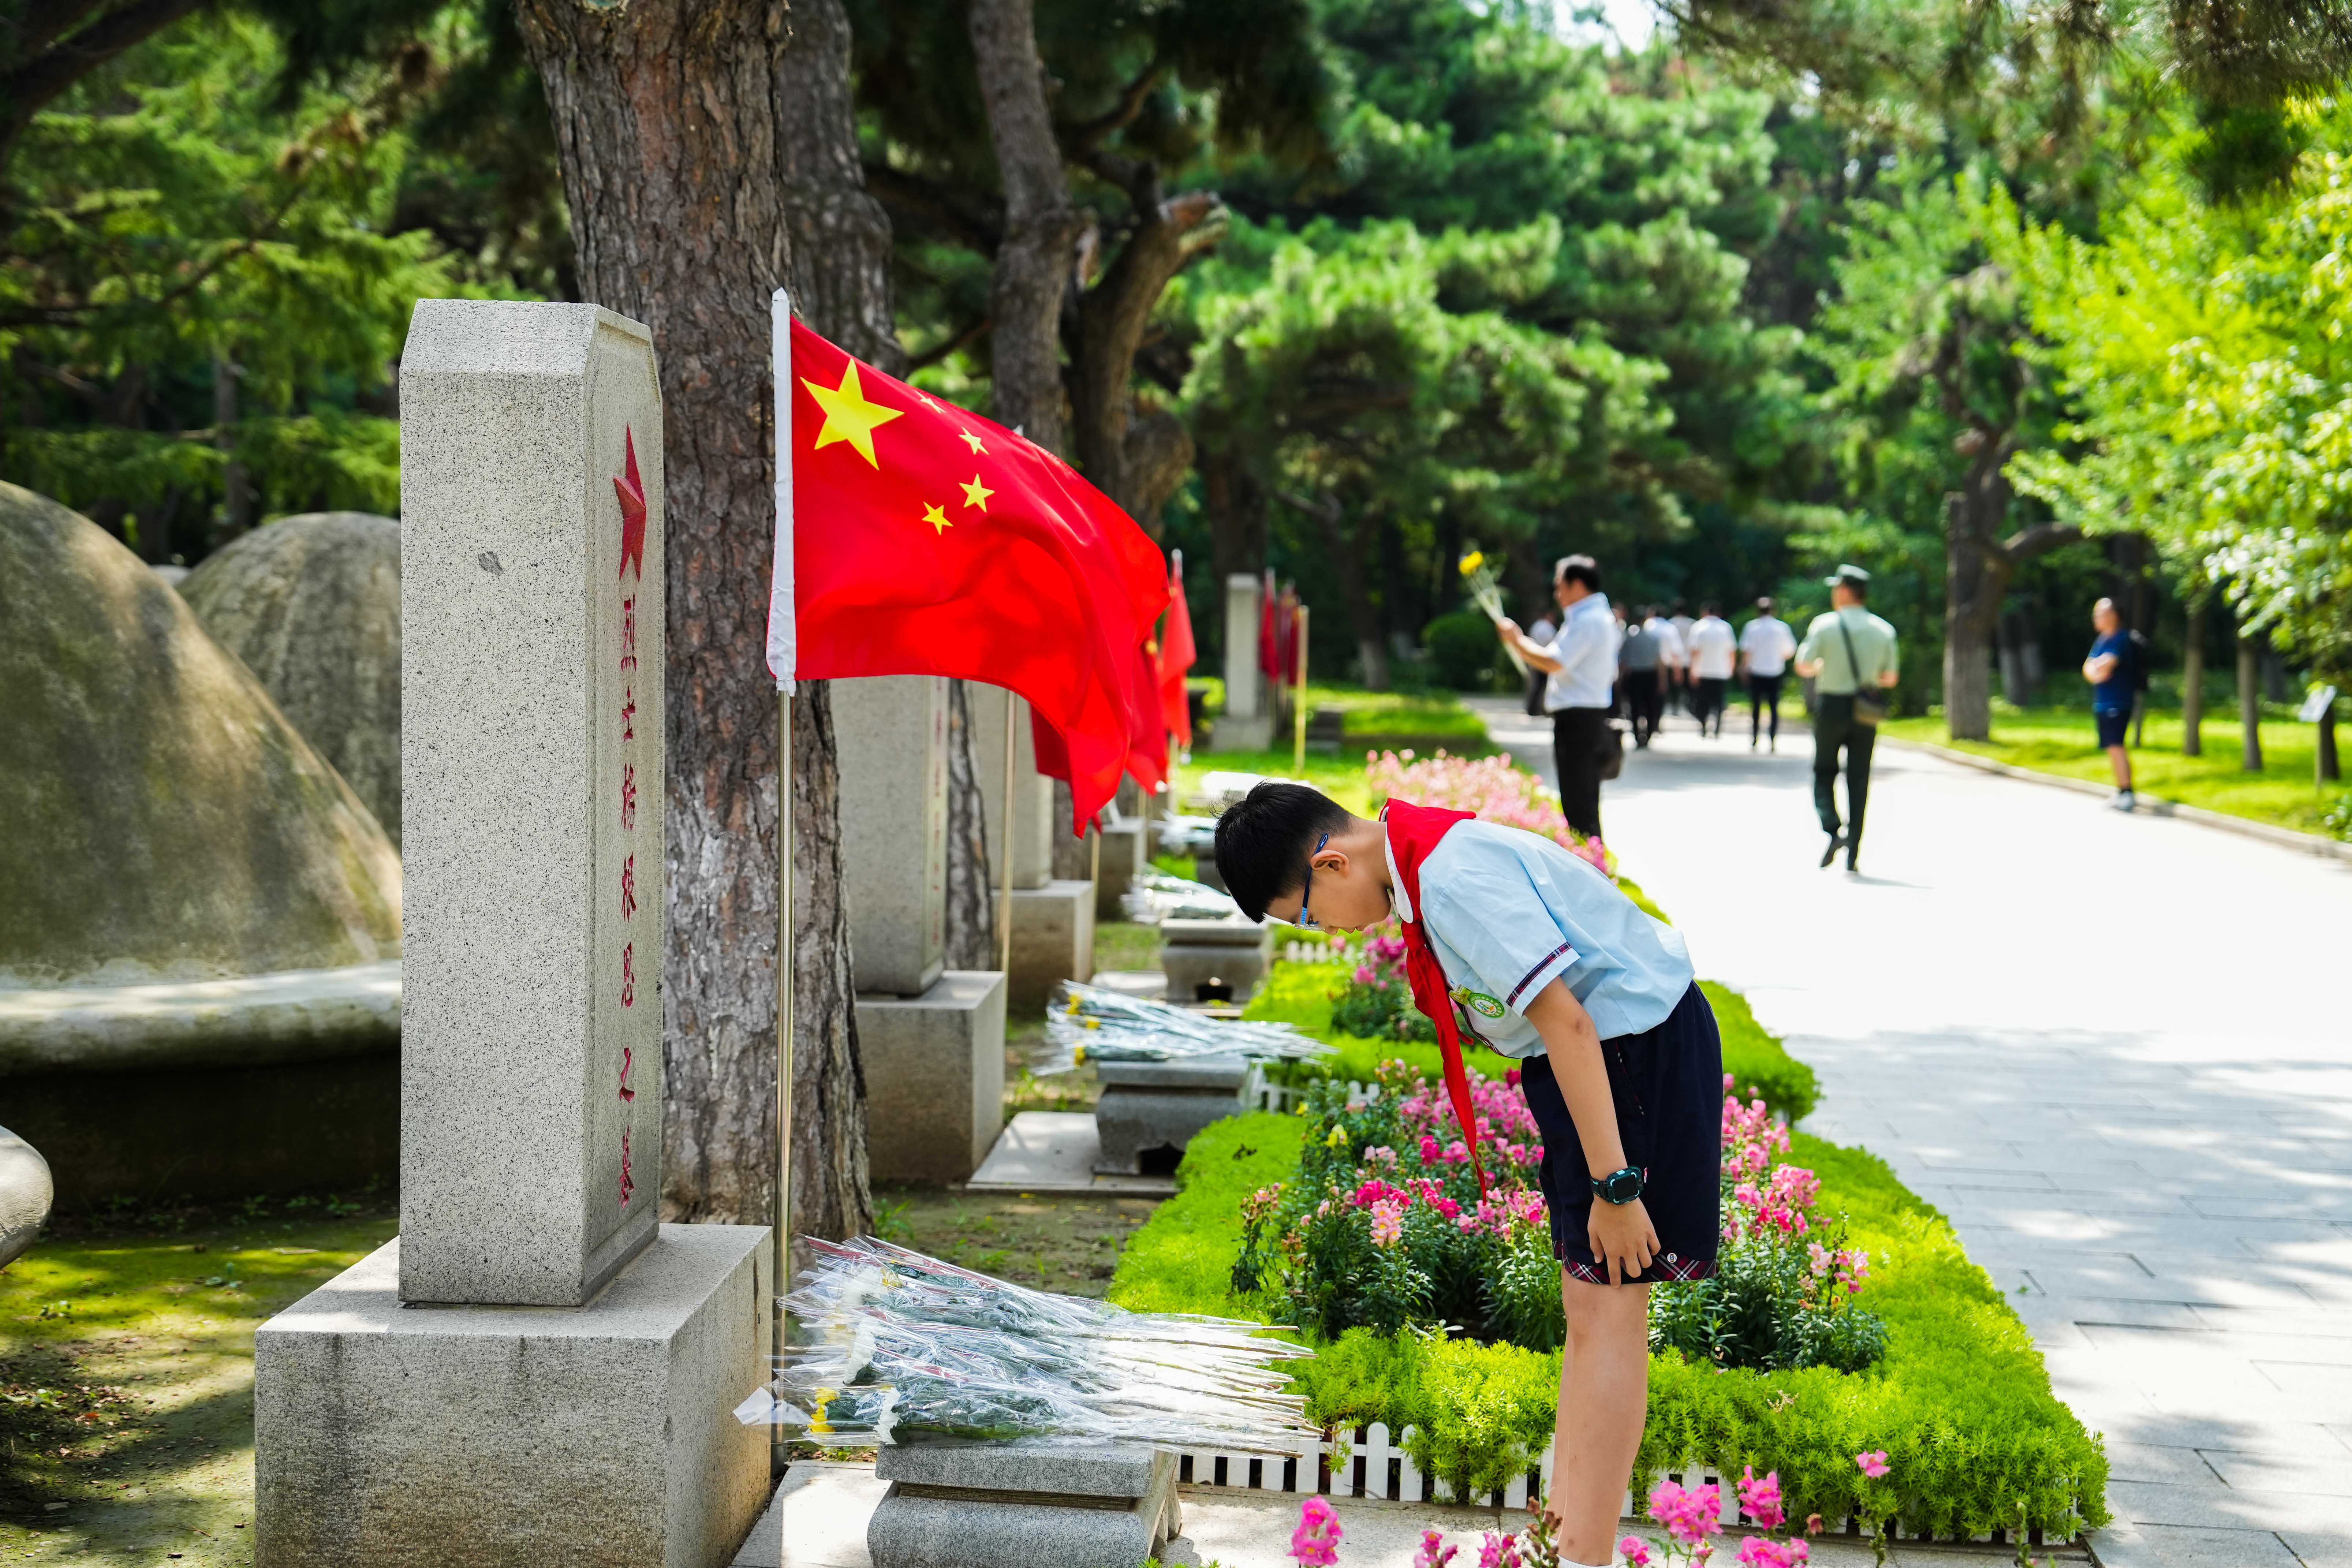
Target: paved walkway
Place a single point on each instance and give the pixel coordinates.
(2116, 1051)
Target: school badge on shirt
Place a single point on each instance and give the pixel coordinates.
(1478, 1002)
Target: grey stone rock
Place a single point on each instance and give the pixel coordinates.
(1232, 932)
(1034, 828)
(311, 605)
(1149, 1111)
(392, 1437)
(934, 1077)
(1206, 1075)
(1122, 856)
(962, 1525)
(891, 734)
(1029, 1465)
(1053, 940)
(532, 756)
(24, 1193)
(165, 821)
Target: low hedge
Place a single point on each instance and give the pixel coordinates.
(1300, 994)
(1960, 1403)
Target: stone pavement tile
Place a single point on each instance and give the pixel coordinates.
(2315, 1549)
(2118, 1311)
(2167, 1341)
(2158, 1464)
(2316, 1472)
(2316, 1323)
(2173, 1546)
(2223, 1507)
(2327, 1386)
(2167, 1430)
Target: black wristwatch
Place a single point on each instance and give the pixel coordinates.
(1617, 1186)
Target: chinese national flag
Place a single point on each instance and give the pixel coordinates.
(928, 540)
(1175, 657)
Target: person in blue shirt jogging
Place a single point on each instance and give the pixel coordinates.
(1538, 955)
(2112, 671)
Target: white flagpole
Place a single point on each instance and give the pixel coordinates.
(780, 323)
(1004, 911)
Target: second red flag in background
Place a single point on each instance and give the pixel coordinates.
(928, 540)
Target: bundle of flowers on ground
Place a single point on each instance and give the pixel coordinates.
(1488, 786)
(1383, 1226)
(1089, 1021)
(1781, 1295)
(891, 1343)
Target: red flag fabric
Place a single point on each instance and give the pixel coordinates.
(1177, 652)
(928, 540)
(1413, 832)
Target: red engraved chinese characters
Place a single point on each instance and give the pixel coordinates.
(629, 490)
(629, 714)
(628, 984)
(627, 1186)
(628, 634)
(629, 888)
(628, 797)
(626, 1092)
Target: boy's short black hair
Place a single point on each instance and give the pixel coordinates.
(1265, 839)
(1577, 569)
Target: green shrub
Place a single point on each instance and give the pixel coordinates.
(1961, 1401)
(1464, 652)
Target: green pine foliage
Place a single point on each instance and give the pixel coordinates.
(1959, 1400)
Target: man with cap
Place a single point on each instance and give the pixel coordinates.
(1848, 651)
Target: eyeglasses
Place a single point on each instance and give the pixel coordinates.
(1306, 889)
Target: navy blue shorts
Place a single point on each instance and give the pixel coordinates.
(2111, 728)
(1669, 1087)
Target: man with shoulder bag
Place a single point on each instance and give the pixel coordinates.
(1851, 655)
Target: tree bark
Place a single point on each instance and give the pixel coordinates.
(2327, 769)
(1978, 566)
(1349, 555)
(1236, 508)
(1034, 260)
(2192, 680)
(2249, 704)
(703, 148)
(972, 889)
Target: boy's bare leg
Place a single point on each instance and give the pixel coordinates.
(1604, 1397)
(2119, 762)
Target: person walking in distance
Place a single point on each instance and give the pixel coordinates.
(1851, 653)
(1714, 652)
(1637, 676)
(1582, 662)
(1672, 656)
(1766, 644)
(1681, 621)
(2113, 671)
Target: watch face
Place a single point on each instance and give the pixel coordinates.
(1622, 1186)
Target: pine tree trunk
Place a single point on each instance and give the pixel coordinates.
(972, 889)
(708, 156)
(1972, 595)
(2250, 704)
(2192, 683)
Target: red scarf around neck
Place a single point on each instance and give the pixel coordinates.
(1413, 832)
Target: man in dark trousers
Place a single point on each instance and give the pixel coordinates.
(1637, 679)
(1849, 652)
(1582, 662)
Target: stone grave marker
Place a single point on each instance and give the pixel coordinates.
(536, 1369)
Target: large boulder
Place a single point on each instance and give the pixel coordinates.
(312, 604)
(24, 1193)
(162, 819)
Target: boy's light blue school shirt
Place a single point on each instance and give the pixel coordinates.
(1507, 911)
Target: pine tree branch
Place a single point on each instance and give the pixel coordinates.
(31, 86)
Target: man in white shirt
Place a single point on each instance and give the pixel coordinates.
(1674, 655)
(1713, 653)
(1681, 681)
(1582, 662)
(1766, 645)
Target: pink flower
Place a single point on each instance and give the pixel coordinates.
(1759, 1552)
(1498, 1551)
(1316, 1543)
(1446, 1207)
(1434, 1553)
(1429, 1154)
(1689, 1516)
(1873, 1464)
(1511, 1077)
(1364, 975)
(1388, 1224)
(1635, 1550)
(1760, 1501)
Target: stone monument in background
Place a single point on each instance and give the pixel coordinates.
(1052, 916)
(1247, 722)
(931, 1039)
(536, 1369)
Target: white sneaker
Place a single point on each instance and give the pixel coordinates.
(2123, 801)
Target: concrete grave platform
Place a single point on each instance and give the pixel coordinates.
(1195, 953)
(389, 1435)
(1053, 939)
(934, 1077)
(1149, 1111)
(1057, 1152)
(1038, 1504)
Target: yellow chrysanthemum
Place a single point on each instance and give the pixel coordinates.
(1472, 562)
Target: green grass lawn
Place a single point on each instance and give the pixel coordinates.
(126, 1374)
(1419, 713)
(2062, 741)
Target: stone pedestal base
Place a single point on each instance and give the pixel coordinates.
(1053, 940)
(387, 1436)
(1231, 734)
(1201, 958)
(1149, 1111)
(1123, 856)
(1022, 1505)
(935, 1076)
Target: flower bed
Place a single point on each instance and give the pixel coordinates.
(1960, 1399)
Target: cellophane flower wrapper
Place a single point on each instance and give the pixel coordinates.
(1089, 1023)
(1479, 577)
(1155, 896)
(890, 1346)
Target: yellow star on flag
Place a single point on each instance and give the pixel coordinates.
(972, 440)
(848, 417)
(977, 494)
(937, 518)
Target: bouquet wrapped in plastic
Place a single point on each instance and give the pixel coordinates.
(1479, 577)
(894, 1346)
(1088, 1022)
(1155, 896)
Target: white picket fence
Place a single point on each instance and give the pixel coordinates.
(1368, 1463)
(1259, 1095)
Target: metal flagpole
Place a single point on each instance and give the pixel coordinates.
(1005, 911)
(1298, 699)
(779, 322)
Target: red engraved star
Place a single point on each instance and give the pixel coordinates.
(632, 492)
